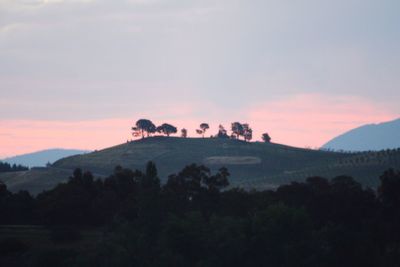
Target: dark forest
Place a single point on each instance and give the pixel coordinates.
(196, 219)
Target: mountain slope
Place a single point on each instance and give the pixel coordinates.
(368, 137)
(41, 158)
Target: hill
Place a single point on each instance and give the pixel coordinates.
(252, 165)
(368, 137)
(41, 158)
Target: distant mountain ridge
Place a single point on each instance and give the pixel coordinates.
(380, 136)
(41, 158)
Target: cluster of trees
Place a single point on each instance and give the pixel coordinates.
(6, 167)
(239, 129)
(194, 220)
(87, 201)
(145, 127)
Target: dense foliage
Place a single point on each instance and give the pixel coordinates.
(193, 220)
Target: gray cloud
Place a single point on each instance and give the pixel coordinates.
(86, 59)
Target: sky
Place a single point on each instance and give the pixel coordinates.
(79, 73)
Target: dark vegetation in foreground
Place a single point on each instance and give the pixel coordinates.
(6, 167)
(129, 219)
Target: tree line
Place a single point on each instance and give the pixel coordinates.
(145, 127)
(194, 219)
(7, 167)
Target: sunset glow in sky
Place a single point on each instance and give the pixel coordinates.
(79, 73)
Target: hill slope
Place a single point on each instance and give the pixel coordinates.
(252, 165)
(172, 154)
(41, 158)
(368, 137)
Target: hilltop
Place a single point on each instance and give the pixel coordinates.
(251, 164)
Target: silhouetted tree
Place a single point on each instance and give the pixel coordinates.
(183, 133)
(248, 135)
(247, 132)
(166, 129)
(389, 196)
(194, 187)
(150, 178)
(136, 132)
(237, 129)
(188, 182)
(218, 181)
(266, 138)
(77, 175)
(143, 126)
(390, 188)
(222, 132)
(204, 127)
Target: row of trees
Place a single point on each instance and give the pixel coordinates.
(86, 201)
(194, 220)
(6, 167)
(145, 127)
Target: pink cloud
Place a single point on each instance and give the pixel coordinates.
(313, 119)
(302, 120)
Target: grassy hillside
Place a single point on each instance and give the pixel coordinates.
(252, 165)
(244, 160)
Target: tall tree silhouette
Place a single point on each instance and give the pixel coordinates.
(247, 132)
(222, 132)
(204, 127)
(183, 133)
(266, 138)
(143, 126)
(237, 129)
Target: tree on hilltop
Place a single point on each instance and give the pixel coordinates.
(247, 132)
(222, 132)
(237, 129)
(183, 133)
(166, 129)
(266, 138)
(204, 127)
(143, 126)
